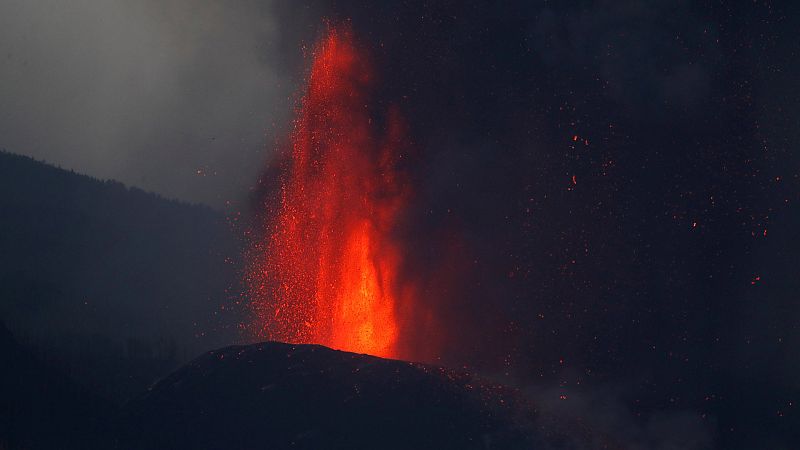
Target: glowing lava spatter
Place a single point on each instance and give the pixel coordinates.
(327, 271)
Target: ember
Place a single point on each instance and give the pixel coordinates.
(326, 271)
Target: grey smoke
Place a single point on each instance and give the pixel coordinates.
(180, 97)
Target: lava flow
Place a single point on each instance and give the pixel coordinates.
(326, 270)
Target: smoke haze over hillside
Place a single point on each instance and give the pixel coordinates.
(172, 96)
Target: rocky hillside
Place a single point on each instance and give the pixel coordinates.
(275, 395)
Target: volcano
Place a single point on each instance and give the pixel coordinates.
(275, 395)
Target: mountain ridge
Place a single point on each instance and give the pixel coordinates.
(116, 284)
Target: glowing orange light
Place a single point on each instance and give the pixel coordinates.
(327, 272)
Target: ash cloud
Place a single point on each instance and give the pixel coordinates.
(178, 97)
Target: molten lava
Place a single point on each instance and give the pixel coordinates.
(327, 270)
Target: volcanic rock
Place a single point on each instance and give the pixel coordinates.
(274, 395)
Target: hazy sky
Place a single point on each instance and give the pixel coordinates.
(147, 92)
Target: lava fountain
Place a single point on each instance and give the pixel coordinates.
(326, 270)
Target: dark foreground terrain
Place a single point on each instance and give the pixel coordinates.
(275, 395)
(272, 396)
(41, 408)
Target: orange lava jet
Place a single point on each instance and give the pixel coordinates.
(327, 270)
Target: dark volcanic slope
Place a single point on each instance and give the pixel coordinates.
(116, 283)
(41, 408)
(275, 395)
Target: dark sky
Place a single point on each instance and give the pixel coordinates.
(620, 179)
